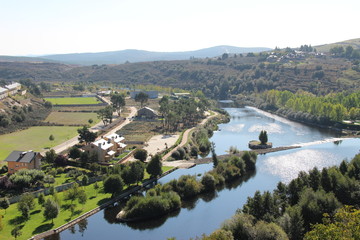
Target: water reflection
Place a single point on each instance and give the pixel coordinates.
(205, 213)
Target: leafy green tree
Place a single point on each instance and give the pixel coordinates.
(41, 199)
(74, 152)
(344, 225)
(51, 137)
(241, 226)
(85, 180)
(142, 98)
(50, 156)
(96, 187)
(113, 184)
(82, 198)
(140, 154)
(213, 155)
(118, 102)
(85, 135)
(154, 167)
(26, 204)
(51, 210)
(16, 232)
(263, 137)
(4, 203)
(219, 234)
(105, 114)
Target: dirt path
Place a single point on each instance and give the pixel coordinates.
(184, 140)
(71, 142)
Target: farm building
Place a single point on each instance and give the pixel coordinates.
(147, 113)
(23, 160)
(13, 88)
(107, 147)
(151, 94)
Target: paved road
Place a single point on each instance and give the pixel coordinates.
(71, 142)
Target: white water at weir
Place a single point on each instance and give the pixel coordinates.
(320, 142)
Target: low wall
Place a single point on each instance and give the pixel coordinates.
(93, 211)
(60, 188)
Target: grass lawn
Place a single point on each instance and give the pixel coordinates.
(37, 223)
(34, 138)
(164, 169)
(68, 118)
(73, 100)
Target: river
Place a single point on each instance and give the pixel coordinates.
(206, 213)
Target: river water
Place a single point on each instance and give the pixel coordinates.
(206, 213)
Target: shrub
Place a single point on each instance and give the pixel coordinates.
(208, 182)
(140, 154)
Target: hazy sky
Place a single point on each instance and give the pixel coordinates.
(70, 26)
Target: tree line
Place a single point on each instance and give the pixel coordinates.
(334, 107)
(296, 210)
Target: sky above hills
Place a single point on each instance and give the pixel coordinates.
(76, 26)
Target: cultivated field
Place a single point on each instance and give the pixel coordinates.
(72, 118)
(34, 138)
(73, 100)
(140, 130)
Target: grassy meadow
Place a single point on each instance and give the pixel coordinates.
(73, 100)
(72, 118)
(35, 138)
(37, 222)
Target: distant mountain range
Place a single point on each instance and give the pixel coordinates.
(132, 55)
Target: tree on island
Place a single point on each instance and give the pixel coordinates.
(263, 137)
(142, 98)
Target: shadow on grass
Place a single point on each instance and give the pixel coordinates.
(65, 206)
(43, 228)
(17, 220)
(35, 212)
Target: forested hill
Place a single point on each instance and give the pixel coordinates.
(216, 77)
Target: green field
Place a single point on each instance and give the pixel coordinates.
(70, 118)
(73, 100)
(37, 223)
(34, 138)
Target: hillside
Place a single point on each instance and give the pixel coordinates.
(355, 43)
(216, 77)
(132, 55)
(23, 59)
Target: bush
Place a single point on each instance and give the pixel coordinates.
(208, 182)
(140, 154)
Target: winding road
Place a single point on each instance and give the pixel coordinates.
(71, 142)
